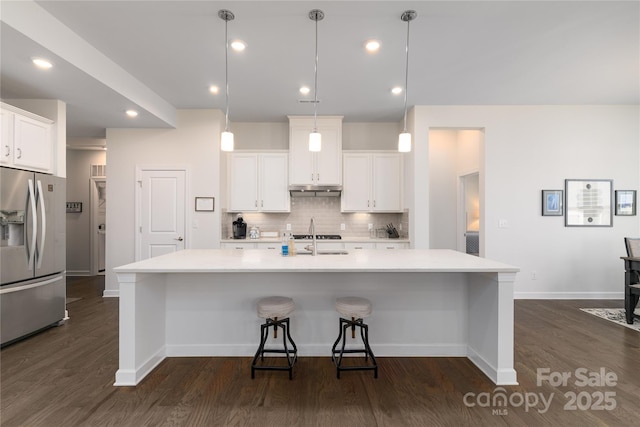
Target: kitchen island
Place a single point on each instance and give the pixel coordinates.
(425, 303)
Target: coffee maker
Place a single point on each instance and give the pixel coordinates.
(239, 228)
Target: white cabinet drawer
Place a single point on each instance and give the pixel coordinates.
(392, 245)
(358, 246)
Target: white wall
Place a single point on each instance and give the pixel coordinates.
(79, 224)
(355, 136)
(530, 148)
(194, 144)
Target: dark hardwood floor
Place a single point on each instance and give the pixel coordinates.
(64, 377)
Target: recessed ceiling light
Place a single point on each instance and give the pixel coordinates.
(42, 63)
(238, 45)
(132, 113)
(372, 46)
(214, 89)
(396, 90)
(305, 90)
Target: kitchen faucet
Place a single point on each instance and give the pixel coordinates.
(312, 231)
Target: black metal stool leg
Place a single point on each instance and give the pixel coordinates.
(290, 354)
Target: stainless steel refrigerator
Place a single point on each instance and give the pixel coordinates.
(32, 253)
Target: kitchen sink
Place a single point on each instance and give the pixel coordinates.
(326, 252)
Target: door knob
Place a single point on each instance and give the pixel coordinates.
(179, 239)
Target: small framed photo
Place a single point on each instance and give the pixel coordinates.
(205, 204)
(625, 202)
(589, 203)
(552, 203)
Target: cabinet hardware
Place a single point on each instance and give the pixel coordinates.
(8, 152)
(19, 150)
(256, 203)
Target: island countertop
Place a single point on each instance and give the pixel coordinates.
(262, 261)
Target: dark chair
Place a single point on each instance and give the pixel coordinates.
(632, 280)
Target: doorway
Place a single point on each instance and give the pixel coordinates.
(469, 214)
(98, 225)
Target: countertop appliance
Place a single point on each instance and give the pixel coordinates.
(32, 253)
(239, 228)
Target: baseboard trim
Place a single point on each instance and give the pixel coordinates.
(80, 273)
(111, 293)
(569, 295)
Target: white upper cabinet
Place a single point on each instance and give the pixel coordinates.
(26, 141)
(258, 182)
(6, 132)
(320, 168)
(372, 182)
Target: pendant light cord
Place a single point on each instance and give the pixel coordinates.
(315, 87)
(226, 74)
(406, 77)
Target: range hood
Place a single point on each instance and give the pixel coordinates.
(315, 190)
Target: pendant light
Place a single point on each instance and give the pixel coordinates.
(226, 138)
(315, 139)
(404, 140)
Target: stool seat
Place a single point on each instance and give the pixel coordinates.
(275, 307)
(355, 307)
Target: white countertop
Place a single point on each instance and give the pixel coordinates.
(262, 261)
(343, 240)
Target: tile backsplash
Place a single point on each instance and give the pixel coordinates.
(328, 218)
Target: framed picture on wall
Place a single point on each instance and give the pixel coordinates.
(552, 203)
(589, 203)
(625, 202)
(204, 204)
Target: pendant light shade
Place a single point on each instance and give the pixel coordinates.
(226, 138)
(404, 140)
(315, 139)
(226, 141)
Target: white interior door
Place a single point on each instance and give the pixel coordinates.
(162, 209)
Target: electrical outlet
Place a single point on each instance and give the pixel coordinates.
(342, 227)
(370, 227)
(503, 223)
(534, 275)
(400, 226)
(288, 227)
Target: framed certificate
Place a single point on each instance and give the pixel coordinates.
(589, 203)
(205, 204)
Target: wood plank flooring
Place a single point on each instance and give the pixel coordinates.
(64, 377)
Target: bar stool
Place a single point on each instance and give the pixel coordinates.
(275, 310)
(356, 309)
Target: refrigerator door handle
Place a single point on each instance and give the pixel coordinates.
(44, 223)
(31, 248)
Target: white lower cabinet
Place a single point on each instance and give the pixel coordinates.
(238, 245)
(391, 245)
(357, 246)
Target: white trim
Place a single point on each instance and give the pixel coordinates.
(568, 295)
(111, 293)
(79, 273)
(130, 377)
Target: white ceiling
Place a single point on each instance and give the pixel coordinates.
(159, 56)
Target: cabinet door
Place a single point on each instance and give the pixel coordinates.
(301, 159)
(356, 186)
(243, 178)
(32, 144)
(328, 166)
(240, 245)
(6, 133)
(387, 182)
(274, 183)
